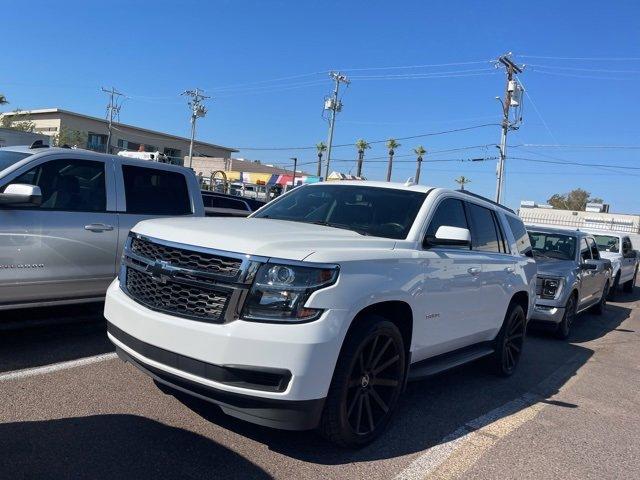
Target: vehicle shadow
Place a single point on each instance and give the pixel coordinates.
(434, 409)
(36, 337)
(112, 447)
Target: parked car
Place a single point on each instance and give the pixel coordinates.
(223, 205)
(65, 215)
(315, 311)
(618, 249)
(572, 277)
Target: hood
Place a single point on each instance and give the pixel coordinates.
(554, 267)
(259, 236)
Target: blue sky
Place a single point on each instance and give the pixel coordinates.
(61, 53)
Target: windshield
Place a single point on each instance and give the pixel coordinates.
(553, 245)
(381, 212)
(607, 243)
(8, 158)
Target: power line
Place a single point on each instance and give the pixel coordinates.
(526, 92)
(604, 59)
(538, 145)
(398, 67)
(580, 164)
(575, 75)
(427, 74)
(603, 70)
(431, 134)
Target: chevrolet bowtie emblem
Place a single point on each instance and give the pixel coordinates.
(159, 271)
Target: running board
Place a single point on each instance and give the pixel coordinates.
(446, 361)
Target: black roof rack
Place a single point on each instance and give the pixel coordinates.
(39, 144)
(475, 195)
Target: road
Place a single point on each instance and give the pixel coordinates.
(69, 409)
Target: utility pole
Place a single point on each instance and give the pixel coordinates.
(295, 166)
(512, 98)
(197, 110)
(334, 106)
(112, 108)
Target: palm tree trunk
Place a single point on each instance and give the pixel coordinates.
(389, 166)
(418, 170)
(360, 158)
(319, 170)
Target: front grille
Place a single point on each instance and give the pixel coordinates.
(175, 298)
(206, 262)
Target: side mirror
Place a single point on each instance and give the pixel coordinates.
(589, 265)
(21, 194)
(447, 236)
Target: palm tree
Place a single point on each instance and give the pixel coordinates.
(419, 151)
(321, 148)
(462, 181)
(391, 146)
(361, 145)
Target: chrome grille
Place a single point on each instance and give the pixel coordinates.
(180, 299)
(206, 262)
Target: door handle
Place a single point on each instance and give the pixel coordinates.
(98, 227)
(474, 270)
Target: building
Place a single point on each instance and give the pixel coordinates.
(93, 131)
(10, 137)
(248, 171)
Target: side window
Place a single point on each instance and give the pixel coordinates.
(151, 191)
(585, 251)
(595, 254)
(70, 185)
(627, 249)
(523, 243)
(484, 236)
(450, 212)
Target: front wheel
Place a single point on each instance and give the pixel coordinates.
(510, 340)
(367, 382)
(598, 308)
(614, 288)
(564, 327)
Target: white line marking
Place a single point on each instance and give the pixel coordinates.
(31, 372)
(495, 424)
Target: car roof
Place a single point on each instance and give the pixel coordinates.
(371, 183)
(562, 231)
(609, 233)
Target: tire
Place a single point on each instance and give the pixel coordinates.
(509, 342)
(614, 288)
(366, 384)
(627, 286)
(598, 308)
(564, 327)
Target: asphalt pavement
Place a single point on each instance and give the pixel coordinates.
(69, 409)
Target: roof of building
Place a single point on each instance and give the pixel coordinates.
(75, 114)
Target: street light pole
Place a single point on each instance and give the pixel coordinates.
(197, 110)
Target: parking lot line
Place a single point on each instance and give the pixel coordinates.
(31, 372)
(471, 440)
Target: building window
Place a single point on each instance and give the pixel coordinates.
(97, 142)
(127, 145)
(174, 154)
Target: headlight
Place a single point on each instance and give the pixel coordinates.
(550, 287)
(279, 292)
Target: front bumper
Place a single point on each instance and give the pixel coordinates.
(195, 357)
(547, 313)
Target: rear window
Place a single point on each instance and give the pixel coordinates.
(151, 191)
(523, 243)
(223, 202)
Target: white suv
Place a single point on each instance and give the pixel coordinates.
(316, 310)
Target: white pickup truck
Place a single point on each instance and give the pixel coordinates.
(617, 248)
(66, 213)
(316, 310)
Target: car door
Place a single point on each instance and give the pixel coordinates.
(451, 289)
(149, 192)
(600, 275)
(498, 266)
(65, 247)
(628, 262)
(589, 280)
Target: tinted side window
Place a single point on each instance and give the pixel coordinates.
(155, 192)
(222, 202)
(71, 185)
(595, 254)
(450, 212)
(523, 243)
(484, 236)
(585, 251)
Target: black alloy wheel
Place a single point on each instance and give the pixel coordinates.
(366, 385)
(598, 308)
(513, 341)
(564, 327)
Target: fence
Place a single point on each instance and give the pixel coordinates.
(616, 224)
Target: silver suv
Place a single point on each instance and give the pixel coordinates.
(65, 214)
(571, 276)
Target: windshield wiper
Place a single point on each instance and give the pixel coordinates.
(338, 225)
